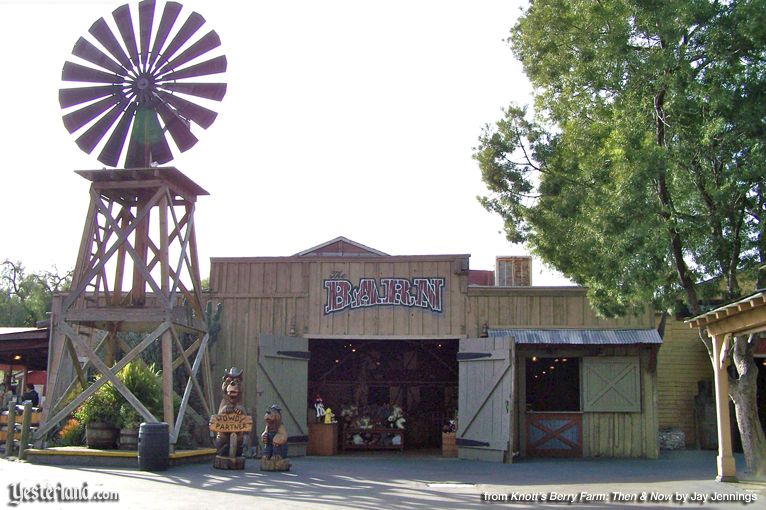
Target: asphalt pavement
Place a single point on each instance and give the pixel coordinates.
(390, 481)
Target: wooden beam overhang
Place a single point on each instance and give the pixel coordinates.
(743, 317)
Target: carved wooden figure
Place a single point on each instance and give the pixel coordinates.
(231, 423)
(274, 440)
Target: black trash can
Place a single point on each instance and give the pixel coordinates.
(153, 446)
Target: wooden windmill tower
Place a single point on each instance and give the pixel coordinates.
(137, 269)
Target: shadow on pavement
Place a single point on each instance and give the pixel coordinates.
(409, 482)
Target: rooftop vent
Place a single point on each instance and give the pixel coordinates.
(513, 271)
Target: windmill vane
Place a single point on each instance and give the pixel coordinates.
(131, 93)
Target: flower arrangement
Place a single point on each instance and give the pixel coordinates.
(71, 434)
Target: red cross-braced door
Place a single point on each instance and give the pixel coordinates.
(554, 434)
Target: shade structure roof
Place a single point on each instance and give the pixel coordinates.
(741, 317)
(580, 336)
(24, 347)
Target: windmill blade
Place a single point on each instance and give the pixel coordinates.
(213, 66)
(103, 34)
(110, 154)
(71, 97)
(206, 43)
(145, 19)
(179, 130)
(90, 138)
(77, 72)
(199, 114)
(86, 51)
(77, 119)
(214, 91)
(190, 26)
(169, 15)
(147, 141)
(124, 22)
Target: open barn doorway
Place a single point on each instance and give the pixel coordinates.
(553, 418)
(362, 380)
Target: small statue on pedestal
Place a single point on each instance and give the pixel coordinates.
(319, 407)
(329, 417)
(231, 423)
(274, 440)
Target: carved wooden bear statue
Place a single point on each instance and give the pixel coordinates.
(231, 385)
(274, 439)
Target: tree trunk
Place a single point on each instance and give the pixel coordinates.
(743, 393)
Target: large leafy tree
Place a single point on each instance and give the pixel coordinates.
(643, 168)
(26, 298)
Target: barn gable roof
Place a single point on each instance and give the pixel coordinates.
(341, 246)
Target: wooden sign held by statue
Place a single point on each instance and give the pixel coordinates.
(231, 424)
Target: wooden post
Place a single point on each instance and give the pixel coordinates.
(25, 424)
(119, 272)
(23, 384)
(727, 469)
(11, 429)
(138, 292)
(167, 338)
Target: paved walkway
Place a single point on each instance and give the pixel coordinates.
(400, 482)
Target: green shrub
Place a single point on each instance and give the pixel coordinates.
(103, 406)
(145, 382)
(107, 405)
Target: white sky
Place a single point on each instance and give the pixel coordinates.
(353, 118)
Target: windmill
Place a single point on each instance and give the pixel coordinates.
(138, 90)
(131, 91)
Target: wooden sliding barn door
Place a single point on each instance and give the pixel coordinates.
(485, 399)
(282, 379)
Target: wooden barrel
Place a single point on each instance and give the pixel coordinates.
(100, 435)
(153, 446)
(128, 439)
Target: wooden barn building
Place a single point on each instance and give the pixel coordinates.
(528, 370)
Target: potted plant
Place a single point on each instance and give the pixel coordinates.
(449, 430)
(99, 414)
(144, 382)
(128, 423)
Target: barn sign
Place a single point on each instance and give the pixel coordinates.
(421, 292)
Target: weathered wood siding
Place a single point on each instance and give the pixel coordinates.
(605, 434)
(682, 361)
(626, 434)
(540, 307)
(285, 297)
